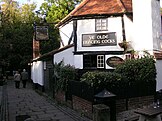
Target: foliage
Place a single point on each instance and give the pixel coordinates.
(138, 70)
(101, 80)
(63, 74)
(56, 10)
(135, 77)
(16, 49)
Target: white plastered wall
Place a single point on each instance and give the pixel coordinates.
(65, 33)
(114, 25)
(159, 75)
(66, 56)
(146, 24)
(37, 74)
(129, 32)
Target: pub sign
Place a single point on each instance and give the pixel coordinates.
(41, 33)
(99, 39)
(114, 61)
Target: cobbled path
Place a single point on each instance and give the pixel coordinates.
(27, 102)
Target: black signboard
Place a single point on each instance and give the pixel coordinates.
(41, 33)
(99, 39)
(114, 61)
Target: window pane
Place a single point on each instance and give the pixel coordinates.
(101, 24)
(90, 61)
(100, 61)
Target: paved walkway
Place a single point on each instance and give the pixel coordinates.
(25, 102)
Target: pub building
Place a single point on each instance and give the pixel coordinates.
(99, 34)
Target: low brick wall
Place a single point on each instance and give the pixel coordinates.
(85, 107)
(121, 105)
(82, 106)
(133, 103)
(60, 96)
(139, 102)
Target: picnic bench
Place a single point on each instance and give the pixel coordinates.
(149, 113)
(132, 118)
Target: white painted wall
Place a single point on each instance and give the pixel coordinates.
(146, 24)
(65, 33)
(66, 56)
(87, 26)
(78, 61)
(129, 31)
(159, 74)
(37, 74)
(156, 25)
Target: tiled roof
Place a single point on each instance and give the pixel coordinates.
(100, 7)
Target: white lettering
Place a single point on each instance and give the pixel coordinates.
(91, 37)
(108, 41)
(102, 36)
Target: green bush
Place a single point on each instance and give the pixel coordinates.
(138, 70)
(105, 80)
(134, 77)
(140, 74)
(63, 74)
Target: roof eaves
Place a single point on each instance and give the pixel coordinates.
(71, 14)
(51, 53)
(82, 4)
(121, 4)
(66, 19)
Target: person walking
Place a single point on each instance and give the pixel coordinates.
(17, 78)
(24, 77)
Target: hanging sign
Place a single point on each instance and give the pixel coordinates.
(41, 33)
(99, 39)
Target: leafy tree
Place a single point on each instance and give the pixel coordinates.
(56, 10)
(16, 29)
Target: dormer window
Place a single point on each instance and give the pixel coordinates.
(101, 24)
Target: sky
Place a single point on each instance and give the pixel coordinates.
(38, 2)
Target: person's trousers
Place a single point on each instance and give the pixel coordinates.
(17, 84)
(24, 83)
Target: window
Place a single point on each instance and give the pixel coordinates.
(100, 61)
(93, 61)
(89, 61)
(101, 25)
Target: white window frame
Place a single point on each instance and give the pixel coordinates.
(99, 63)
(101, 24)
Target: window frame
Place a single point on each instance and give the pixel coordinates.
(95, 64)
(100, 63)
(101, 24)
